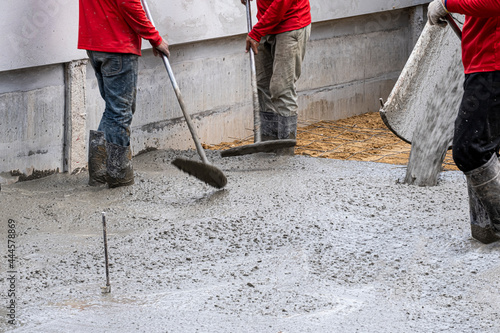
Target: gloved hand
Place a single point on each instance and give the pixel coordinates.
(436, 13)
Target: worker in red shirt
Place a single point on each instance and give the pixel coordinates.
(476, 140)
(279, 42)
(111, 31)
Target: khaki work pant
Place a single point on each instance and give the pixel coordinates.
(278, 65)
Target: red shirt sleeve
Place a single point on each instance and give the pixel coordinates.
(271, 18)
(136, 18)
(476, 8)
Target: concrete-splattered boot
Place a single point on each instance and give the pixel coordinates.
(119, 166)
(484, 201)
(287, 129)
(480, 223)
(268, 126)
(97, 158)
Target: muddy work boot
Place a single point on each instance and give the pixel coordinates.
(268, 126)
(480, 223)
(287, 129)
(484, 201)
(97, 158)
(119, 166)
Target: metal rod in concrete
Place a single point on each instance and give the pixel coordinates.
(107, 288)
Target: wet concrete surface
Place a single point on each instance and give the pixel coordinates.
(291, 244)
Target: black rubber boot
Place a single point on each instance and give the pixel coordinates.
(484, 201)
(97, 158)
(268, 126)
(119, 166)
(287, 129)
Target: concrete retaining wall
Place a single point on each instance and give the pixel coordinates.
(48, 110)
(32, 120)
(38, 33)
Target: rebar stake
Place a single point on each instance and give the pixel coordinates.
(107, 288)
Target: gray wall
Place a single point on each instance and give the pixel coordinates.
(32, 108)
(37, 33)
(47, 111)
(353, 62)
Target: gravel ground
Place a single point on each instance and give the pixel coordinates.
(292, 244)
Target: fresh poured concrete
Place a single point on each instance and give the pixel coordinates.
(292, 244)
(353, 59)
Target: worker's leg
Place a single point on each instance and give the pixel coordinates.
(290, 49)
(475, 151)
(117, 77)
(264, 71)
(289, 54)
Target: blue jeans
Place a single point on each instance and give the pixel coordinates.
(117, 79)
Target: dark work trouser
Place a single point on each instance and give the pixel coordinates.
(477, 127)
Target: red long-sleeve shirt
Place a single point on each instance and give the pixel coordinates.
(115, 26)
(277, 16)
(481, 34)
